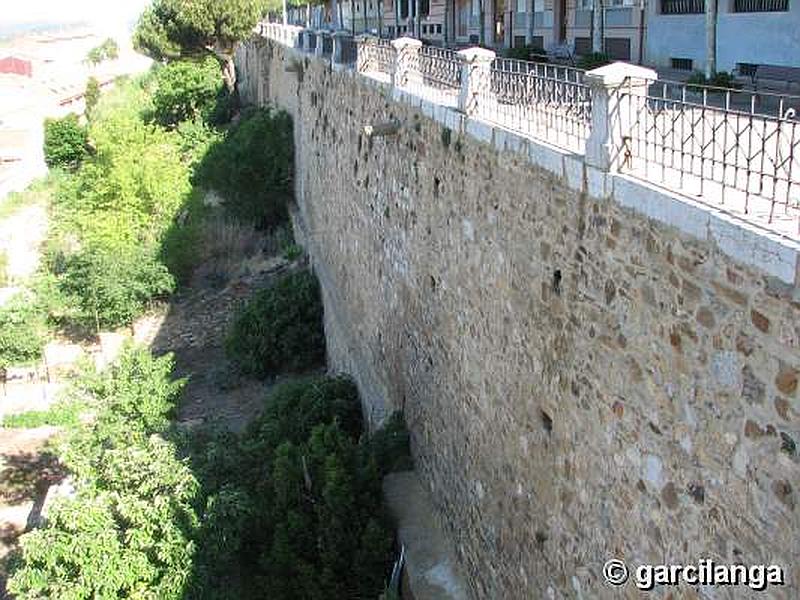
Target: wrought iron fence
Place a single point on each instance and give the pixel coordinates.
(376, 57)
(539, 100)
(737, 149)
(438, 75)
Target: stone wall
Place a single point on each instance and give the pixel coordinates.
(580, 382)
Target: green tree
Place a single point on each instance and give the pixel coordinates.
(129, 531)
(92, 94)
(168, 29)
(189, 89)
(108, 50)
(65, 142)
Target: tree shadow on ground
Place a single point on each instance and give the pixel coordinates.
(26, 476)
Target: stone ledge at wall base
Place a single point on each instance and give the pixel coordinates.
(431, 571)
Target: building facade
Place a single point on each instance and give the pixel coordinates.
(662, 33)
(749, 32)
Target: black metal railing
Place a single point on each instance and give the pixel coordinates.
(682, 7)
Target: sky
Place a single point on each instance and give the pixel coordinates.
(99, 12)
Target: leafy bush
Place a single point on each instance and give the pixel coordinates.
(280, 328)
(111, 286)
(720, 79)
(252, 168)
(593, 60)
(22, 331)
(532, 53)
(65, 142)
(188, 90)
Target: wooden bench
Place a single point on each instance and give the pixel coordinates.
(789, 75)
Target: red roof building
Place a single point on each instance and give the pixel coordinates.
(16, 66)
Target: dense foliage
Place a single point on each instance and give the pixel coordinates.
(170, 29)
(593, 60)
(254, 176)
(308, 486)
(280, 328)
(132, 517)
(22, 331)
(91, 95)
(162, 513)
(190, 91)
(65, 142)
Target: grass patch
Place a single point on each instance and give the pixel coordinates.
(61, 414)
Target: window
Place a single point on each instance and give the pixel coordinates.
(538, 6)
(682, 7)
(747, 69)
(618, 48)
(583, 46)
(519, 41)
(439, 29)
(403, 9)
(682, 64)
(521, 6)
(742, 6)
(424, 7)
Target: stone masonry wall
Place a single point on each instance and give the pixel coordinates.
(580, 383)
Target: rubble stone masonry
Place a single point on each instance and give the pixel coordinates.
(580, 382)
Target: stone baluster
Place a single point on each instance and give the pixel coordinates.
(476, 78)
(619, 97)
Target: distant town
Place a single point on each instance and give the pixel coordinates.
(43, 73)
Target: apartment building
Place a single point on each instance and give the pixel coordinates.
(664, 33)
(749, 32)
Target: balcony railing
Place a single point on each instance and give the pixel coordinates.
(736, 149)
(745, 6)
(540, 100)
(724, 147)
(682, 7)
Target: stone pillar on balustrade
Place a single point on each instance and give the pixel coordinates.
(342, 47)
(406, 62)
(323, 43)
(306, 35)
(619, 99)
(294, 37)
(476, 78)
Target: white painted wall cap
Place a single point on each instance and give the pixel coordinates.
(477, 53)
(406, 41)
(617, 72)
